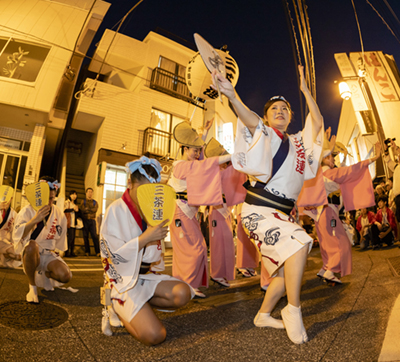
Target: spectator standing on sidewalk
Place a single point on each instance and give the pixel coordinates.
(89, 207)
(70, 210)
(393, 165)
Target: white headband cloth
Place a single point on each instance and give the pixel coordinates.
(53, 185)
(137, 165)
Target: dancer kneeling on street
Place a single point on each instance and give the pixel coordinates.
(278, 164)
(8, 257)
(37, 235)
(128, 248)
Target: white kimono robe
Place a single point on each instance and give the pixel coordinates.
(6, 240)
(53, 237)
(275, 233)
(121, 258)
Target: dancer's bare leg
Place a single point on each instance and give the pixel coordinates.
(294, 270)
(171, 294)
(146, 327)
(31, 260)
(58, 271)
(275, 291)
(291, 314)
(10, 254)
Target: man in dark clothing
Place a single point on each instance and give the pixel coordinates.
(89, 207)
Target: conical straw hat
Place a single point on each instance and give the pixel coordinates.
(214, 148)
(187, 136)
(340, 148)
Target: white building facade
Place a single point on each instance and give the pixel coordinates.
(132, 111)
(372, 112)
(42, 45)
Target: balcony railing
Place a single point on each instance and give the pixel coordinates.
(172, 84)
(159, 143)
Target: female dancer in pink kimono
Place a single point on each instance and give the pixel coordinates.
(277, 164)
(196, 182)
(222, 247)
(353, 181)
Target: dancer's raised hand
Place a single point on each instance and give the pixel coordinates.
(303, 84)
(225, 86)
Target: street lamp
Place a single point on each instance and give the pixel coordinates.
(344, 90)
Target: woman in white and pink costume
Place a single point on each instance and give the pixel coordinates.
(277, 164)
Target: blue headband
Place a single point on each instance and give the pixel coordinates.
(53, 185)
(133, 166)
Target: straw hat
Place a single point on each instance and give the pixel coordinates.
(340, 148)
(187, 136)
(326, 148)
(214, 148)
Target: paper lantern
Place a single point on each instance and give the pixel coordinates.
(198, 77)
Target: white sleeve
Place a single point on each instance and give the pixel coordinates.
(121, 258)
(313, 147)
(252, 153)
(23, 217)
(62, 242)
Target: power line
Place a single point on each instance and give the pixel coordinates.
(387, 25)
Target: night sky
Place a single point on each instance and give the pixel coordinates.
(258, 37)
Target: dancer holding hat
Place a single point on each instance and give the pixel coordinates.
(277, 164)
(129, 247)
(323, 198)
(37, 235)
(196, 182)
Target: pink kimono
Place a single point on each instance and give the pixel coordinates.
(353, 181)
(204, 182)
(222, 247)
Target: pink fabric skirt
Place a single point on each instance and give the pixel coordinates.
(222, 247)
(335, 250)
(189, 260)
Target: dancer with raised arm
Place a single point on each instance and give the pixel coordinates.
(326, 193)
(277, 164)
(196, 182)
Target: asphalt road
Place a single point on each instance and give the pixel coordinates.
(344, 323)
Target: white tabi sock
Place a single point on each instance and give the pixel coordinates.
(105, 323)
(32, 296)
(265, 320)
(293, 320)
(114, 320)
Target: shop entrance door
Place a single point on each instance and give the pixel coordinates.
(12, 170)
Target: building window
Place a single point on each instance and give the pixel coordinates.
(115, 184)
(172, 67)
(21, 60)
(169, 78)
(158, 138)
(14, 144)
